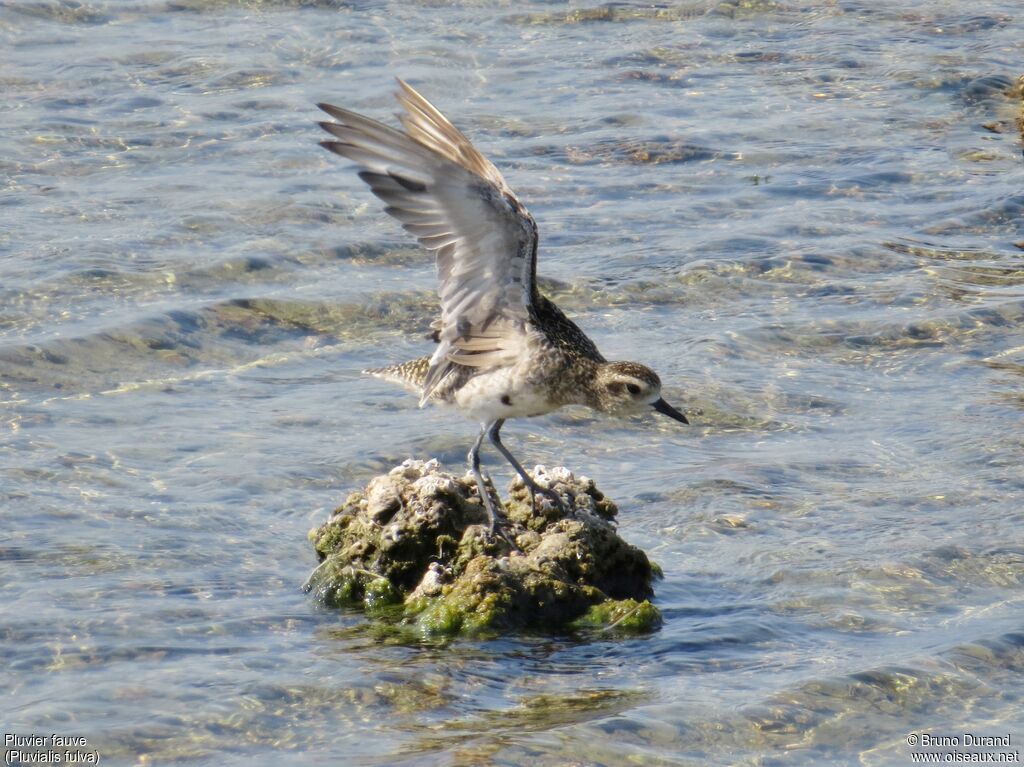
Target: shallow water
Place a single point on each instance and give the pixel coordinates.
(808, 218)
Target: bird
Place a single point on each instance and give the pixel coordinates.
(504, 350)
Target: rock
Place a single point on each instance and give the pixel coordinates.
(413, 549)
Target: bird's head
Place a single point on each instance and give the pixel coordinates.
(628, 388)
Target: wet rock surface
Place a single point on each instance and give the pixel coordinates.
(413, 549)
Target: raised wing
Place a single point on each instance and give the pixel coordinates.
(455, 202)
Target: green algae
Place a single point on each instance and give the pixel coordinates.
(412, 549)
(626, 615)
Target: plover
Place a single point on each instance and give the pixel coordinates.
(503, 349)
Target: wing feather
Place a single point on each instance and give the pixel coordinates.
(457, 204)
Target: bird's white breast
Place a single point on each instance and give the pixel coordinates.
(503, 393)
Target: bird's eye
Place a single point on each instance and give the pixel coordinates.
(632, 388)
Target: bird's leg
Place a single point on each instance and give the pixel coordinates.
(494, 433)
(474, 467)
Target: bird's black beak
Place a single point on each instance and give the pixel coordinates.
(663, 407)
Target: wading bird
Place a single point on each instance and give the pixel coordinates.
(504, 350)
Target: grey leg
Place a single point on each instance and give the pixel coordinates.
(474, 467)
(494, 433)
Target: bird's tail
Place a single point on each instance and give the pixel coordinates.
(411, 375)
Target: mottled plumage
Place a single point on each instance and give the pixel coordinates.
(411, 374)
(503, 349)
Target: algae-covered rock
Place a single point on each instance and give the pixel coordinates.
(414, 546)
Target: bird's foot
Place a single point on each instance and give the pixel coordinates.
(498, 525)
(555, 497)
(503, 530)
